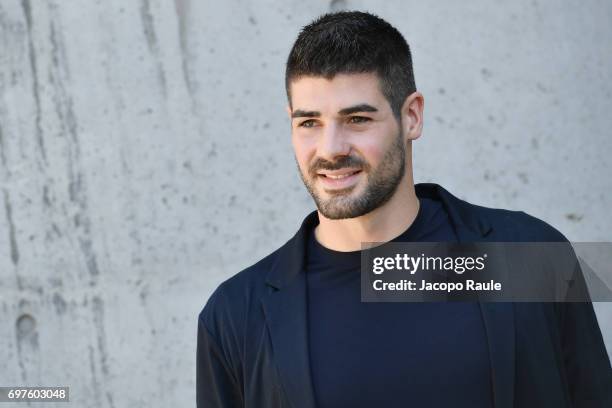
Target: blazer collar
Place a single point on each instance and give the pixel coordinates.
(286, 307)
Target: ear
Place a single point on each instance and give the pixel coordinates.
(412, 116)
(288, 112)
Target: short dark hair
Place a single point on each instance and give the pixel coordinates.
(353, 42)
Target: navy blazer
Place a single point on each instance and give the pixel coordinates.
(252, 348)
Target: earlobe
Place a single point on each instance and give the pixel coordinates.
(412, 115)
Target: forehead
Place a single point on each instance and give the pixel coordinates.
(316, 92)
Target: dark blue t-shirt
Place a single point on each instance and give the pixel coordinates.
(392, 354)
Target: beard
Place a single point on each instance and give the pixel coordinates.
(381, 183)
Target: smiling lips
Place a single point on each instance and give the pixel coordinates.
(338, 179)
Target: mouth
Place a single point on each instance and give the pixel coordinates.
(338, 179)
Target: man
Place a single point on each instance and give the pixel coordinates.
(291, 331)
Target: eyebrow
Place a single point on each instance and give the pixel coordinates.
(362, 107)
(298, 113)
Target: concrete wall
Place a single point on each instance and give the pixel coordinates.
(145, 156)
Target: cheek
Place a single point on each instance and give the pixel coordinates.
(302, 157)
(374, 144)
(372, 153)
(304, 151)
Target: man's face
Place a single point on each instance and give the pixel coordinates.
(347, 142)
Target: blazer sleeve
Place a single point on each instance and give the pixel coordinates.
(587, 364)
(586, 360)
(217, 385)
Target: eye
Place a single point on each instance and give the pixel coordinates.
(358, 119)
(307, 123)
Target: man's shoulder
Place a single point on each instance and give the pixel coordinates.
(504, 224)
(516, 224)
(251, 277)
(236, 295)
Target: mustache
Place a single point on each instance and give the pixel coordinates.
(342, 162)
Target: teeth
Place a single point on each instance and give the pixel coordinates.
(341, 176)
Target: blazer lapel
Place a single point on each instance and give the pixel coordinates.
(498, 318)
(499, 323)
(285, 309)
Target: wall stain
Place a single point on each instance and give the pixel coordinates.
(338, 5)
(59, 303)
(2, 146)
(109, 398)
(27, 344)
(97, 306)
(181, 7)
(11, 230)
(94, 377)
(64, 109)
(27, 11)
(574, 217)
(152, 42)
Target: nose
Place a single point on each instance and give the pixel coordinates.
(332, 143)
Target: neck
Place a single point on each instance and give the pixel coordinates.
(380, 225)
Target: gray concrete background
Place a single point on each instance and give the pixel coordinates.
(145, 157)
